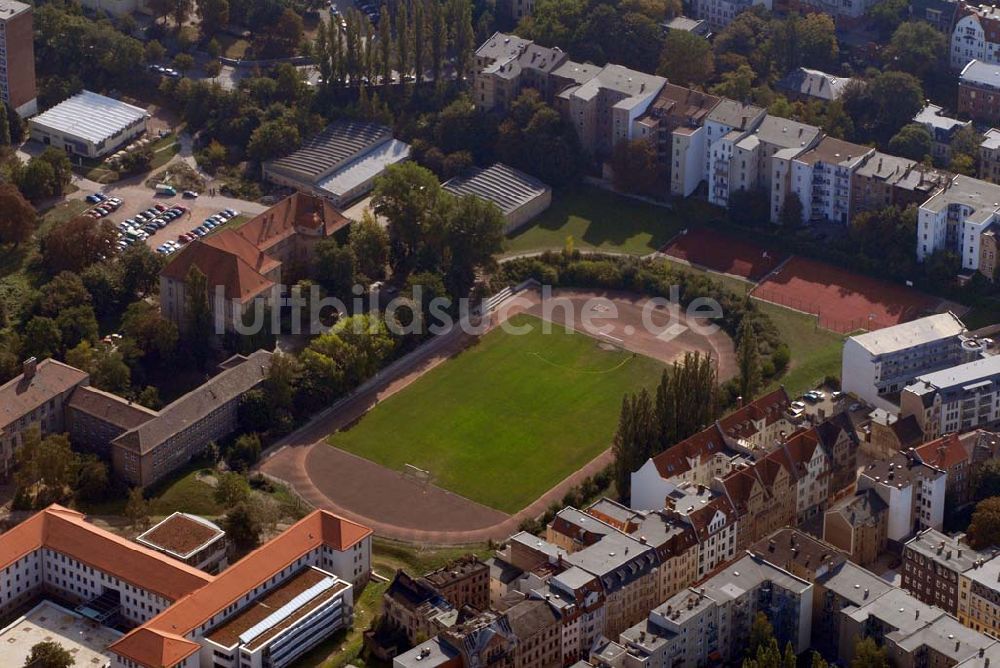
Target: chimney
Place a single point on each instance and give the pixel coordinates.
(28, 367)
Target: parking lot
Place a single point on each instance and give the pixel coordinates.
(138, 198)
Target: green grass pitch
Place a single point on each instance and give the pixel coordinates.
(508, 418)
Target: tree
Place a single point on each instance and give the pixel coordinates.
(867, 654)
(243, 527)
(986, 480)
(140, 270)
(817, 40)
(198, 314)
(749, 207)
(245, 452)
(180, 10)
(37, 180)
(335, 268)
(4, 126)
(272, 139)
(748, 358)
(151, 333)
(370, 243)
(17, 216)
(917, 48)
(155, 51)
(92, 479)
(214, 15)
(736, 84)
(42, 338)
(64, 291)
(896, 98)
(984, 530)
(686, 59)
(817, 661)
(961, 163)
(76, 244)
(761, 633)
(536, 139)
(233, 489)
(137, 508)
(254, 411)
(404, 195)
(44, 467)
(150, 398)
(49, 654)
(634, 166)
(62, 168)
(913, 141)
(887, 15)
(791, 212)
(473, 235)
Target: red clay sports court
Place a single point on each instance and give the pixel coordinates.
(718, 252)
(843, 301)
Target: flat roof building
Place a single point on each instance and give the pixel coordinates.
(89, 125)
(188, 538)
(519, 197)
(877, 365)
(340, 163)
(956, 399)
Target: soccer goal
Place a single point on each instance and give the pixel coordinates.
(419, 475)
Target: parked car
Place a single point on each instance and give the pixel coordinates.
(190, 194)
(798, 404)
(836, 395)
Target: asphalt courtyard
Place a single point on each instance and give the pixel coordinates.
(411, 510)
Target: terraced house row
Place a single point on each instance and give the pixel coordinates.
(723, 146)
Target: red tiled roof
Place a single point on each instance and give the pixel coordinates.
(944, 452)
(674, 460)
(769, 408)
(702, 517)
(155, 649)
(316, 529)
(65, 531)
(237, 259)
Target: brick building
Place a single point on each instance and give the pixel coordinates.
(17, 57)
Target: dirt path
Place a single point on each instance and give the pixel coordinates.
(405, 509)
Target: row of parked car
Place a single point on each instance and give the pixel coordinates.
(210, 224)
(146, 223)
(165, 71)
(103, 205)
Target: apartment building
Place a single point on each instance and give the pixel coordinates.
(189, 539)
(979, 596)
(932, 565)
(673, 542)
(413, 608)
(720, 13)
(245, 267)
(17, 58)
(877, 365)
(975, 35)
(887, 180)
(537, 628)
(36, 398)
(95, 418)
(578, 599)
(953, 455)
(800, 554)
(714, 521)
(942, 129)
(763, 149)
(726, 125)
(463, 582)
(302, 581)
(858, 525)
(913, 491)
(675, 123)
(713, 620)
(989, 156)
(959, 398)
(711, 452)
(183, 429)
(979, 91)
(821, 178)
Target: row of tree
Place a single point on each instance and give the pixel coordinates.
(685, 402)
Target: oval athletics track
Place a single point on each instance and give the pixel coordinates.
(403, 508)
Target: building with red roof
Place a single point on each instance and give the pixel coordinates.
(277, 602)
(247, 264)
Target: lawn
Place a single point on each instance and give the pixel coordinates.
(597, 220)
(815, 351)
(507, 419)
